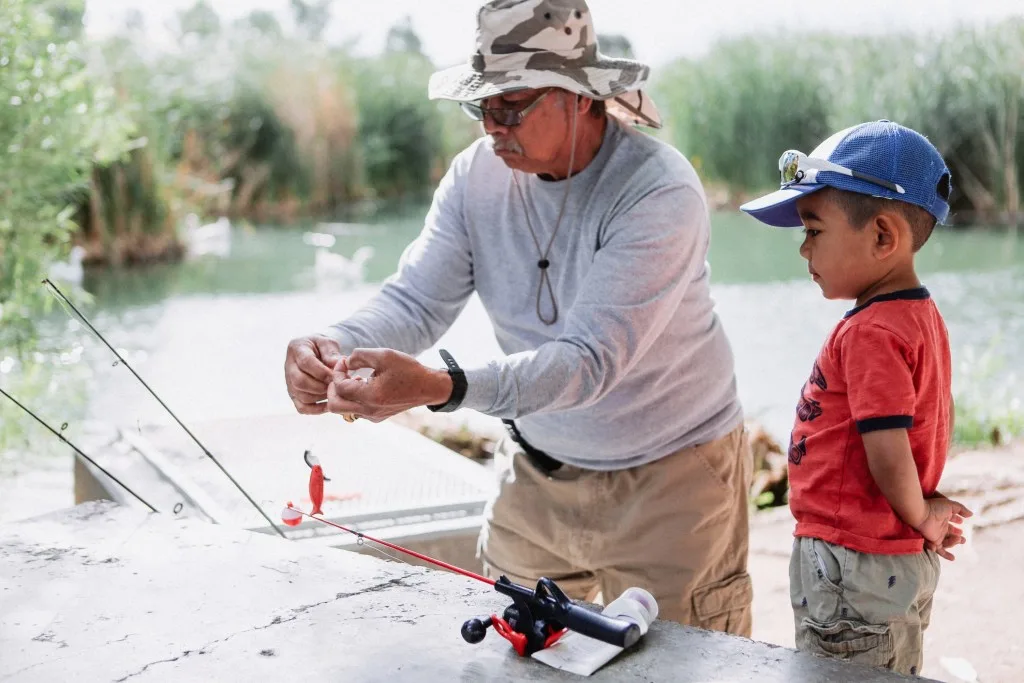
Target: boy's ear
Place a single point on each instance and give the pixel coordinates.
(885, 228)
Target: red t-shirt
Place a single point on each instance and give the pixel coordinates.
(886, 365)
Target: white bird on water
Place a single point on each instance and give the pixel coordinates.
(70, 271)
(212, 238)
(334, 267)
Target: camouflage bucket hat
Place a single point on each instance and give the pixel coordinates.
(532, 44)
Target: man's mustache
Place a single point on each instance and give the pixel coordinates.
(507, 145)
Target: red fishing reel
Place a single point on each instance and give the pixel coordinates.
(537, 619)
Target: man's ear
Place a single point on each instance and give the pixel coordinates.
(583, 104)
(887, 235)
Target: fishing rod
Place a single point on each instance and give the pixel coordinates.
(535, 620)
(76, 449)
(67, 302)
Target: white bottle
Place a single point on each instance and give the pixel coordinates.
(582, 655)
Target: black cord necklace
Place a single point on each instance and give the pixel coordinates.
(544, 263)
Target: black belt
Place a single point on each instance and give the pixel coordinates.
(539, 458)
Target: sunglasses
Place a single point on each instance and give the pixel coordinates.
(503, 117)
(798, 168)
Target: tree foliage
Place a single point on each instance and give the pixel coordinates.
(53, 126)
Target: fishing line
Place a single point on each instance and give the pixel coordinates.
(66, 303)
(369, 546)
(75, 448)
(420, 556)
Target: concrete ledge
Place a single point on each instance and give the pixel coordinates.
(101, 592)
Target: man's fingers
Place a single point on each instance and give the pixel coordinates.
(328, 350)
(341, 405)
(310, 408)
(943, 553)
(366, 358)
(352, 389)
(308, 396)
(308, 362)
(297, 380)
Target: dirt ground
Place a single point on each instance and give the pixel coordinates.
(973, 616)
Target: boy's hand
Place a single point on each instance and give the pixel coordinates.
(953, 538)
(939, 527)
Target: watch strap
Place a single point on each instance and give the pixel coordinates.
(459, 385)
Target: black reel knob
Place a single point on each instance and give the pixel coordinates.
(474, 630)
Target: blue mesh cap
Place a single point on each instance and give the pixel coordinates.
(882, 149)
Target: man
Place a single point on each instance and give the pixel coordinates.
(627, 462)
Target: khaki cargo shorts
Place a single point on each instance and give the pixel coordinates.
(870, 609)
(677, 527)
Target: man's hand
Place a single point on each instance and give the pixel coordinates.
(399, 382)
(308, 371)
(940, 527)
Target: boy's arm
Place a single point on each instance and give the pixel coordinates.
(895, 473)
(878, 366)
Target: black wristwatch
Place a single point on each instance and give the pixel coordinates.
(458, 385)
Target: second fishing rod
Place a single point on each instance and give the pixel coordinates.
(73, 311)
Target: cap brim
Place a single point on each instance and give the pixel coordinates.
(778, 209)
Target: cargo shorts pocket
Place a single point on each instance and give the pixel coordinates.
(850, 639)
(724, 605)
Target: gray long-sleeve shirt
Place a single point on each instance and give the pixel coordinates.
(637, 365)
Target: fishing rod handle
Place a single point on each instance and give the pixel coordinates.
(618, 632)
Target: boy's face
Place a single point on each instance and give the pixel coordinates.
(841, 258)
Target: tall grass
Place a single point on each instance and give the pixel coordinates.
(736, 109)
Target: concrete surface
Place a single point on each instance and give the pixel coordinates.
(101, 592)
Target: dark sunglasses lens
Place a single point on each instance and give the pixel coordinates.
(473, 111)
(506, 117)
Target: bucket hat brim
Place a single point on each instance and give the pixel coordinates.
(616, 81)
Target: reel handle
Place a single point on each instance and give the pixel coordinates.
(474, 630)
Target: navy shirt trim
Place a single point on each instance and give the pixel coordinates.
(916, 294)
(877, 424)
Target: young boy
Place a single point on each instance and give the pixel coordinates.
(875, 418)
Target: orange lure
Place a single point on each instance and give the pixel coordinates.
(316, 489)
(316, 482)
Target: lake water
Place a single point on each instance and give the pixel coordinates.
(209, 334)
